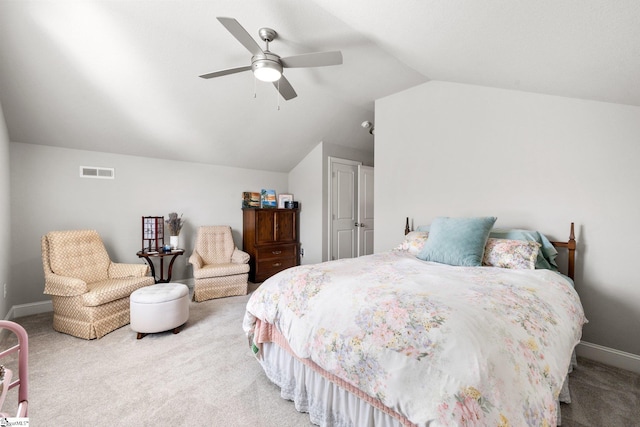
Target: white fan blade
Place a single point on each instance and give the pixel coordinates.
(318, 59)
(285, 88)
(241, 34)
(226, 72)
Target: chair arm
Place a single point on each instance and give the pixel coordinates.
(196, 260)
(64, 286)
(118, 270)
(239, 257)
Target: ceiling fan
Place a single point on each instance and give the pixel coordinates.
(268, 66)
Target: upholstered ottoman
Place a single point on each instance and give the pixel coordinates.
(158, 308)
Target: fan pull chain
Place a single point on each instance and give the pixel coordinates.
(254, 87)
(278, 95)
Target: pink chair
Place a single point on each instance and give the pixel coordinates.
(21, 381)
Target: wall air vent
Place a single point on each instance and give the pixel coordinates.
(97, 172)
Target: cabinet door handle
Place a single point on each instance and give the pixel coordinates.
(276, 264)
(276, 252)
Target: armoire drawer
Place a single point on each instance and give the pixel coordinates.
(276, 251)
(267, 268)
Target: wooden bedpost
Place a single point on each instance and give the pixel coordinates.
(406, 227)
(571, 245)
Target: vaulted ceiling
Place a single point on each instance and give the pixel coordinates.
(122, 76)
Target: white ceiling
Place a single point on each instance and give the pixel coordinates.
(122, 76)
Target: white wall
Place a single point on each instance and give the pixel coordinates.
(534, 161)
(305, 182)
(48, 194)
(5, 233)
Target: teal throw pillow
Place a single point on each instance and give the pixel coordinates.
(457, 241)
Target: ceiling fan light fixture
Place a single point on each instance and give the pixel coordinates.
(267, 71)
(266, 65)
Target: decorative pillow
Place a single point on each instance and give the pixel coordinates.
(516, 254)
(413, 242)
(457, 241)
(547, 253)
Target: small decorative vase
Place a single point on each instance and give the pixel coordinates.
(173, 241)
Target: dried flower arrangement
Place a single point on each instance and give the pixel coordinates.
(175, 223)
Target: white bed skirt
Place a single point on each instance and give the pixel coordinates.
(327, 403)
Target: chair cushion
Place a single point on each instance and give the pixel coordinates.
(109, 290)
(215, 244)
(217, 270)
(78, 253)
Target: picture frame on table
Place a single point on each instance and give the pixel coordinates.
(284, 197)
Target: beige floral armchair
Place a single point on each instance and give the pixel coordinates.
(90, 293)
(220, 269)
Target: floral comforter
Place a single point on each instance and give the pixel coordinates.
(472, 346)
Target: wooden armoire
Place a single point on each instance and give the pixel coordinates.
(271, 237)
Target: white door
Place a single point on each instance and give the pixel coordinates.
(351, 223)
(365, 210)
(343, 243)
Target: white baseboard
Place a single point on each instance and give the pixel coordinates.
(25, 310)
(609, 356)
(22, 310)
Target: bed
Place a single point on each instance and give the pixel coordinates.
(402, 338)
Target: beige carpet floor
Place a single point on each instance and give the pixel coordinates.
(206, 376)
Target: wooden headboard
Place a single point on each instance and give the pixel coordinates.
(571, 247)
(569, 244)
